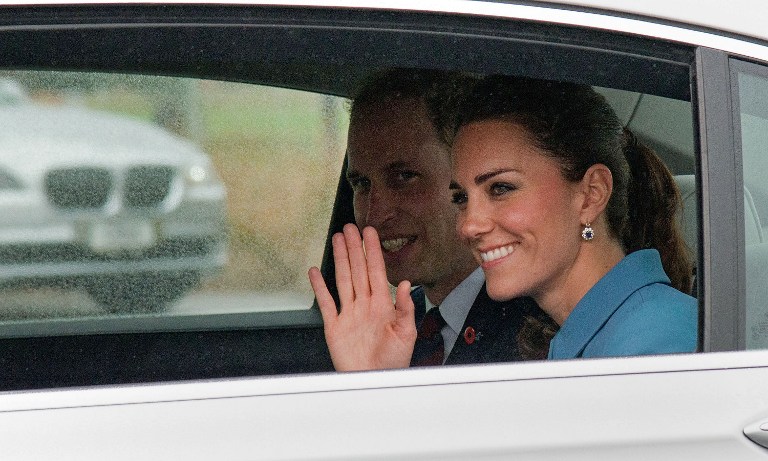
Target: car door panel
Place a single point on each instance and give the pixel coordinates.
(674, 407)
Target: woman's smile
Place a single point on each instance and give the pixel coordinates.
(496, 253)
(516, 210)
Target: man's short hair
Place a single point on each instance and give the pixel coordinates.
(441, 91)
(396, 83)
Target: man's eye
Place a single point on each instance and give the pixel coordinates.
(359, 184)
(401, 179)
(406, 176)
(459, 198)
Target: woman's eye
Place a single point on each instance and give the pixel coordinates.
(406, 175)
(501, 188)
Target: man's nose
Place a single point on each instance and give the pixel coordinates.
(381, 207)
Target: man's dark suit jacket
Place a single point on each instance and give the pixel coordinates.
(496, 325)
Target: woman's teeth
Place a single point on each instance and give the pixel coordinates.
(497, 253)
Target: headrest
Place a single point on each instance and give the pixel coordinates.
(687, 215)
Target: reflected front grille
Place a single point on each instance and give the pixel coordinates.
(91, 188)
(147, 186)
(79, 187)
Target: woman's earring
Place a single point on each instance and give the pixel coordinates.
(588, 233)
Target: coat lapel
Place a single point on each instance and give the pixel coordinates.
(489, 333)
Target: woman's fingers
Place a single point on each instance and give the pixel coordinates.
(357, 262)
(324, 299)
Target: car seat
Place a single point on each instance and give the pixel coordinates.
(689, 224)
(756, 258)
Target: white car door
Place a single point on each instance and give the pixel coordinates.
(673, 407)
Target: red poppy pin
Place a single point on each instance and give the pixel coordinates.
(469, 335)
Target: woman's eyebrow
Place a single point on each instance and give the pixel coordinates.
(481, 178)
(454, 185)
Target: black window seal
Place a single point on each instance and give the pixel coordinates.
(720, 207)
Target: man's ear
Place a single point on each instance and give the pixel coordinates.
(596, 187)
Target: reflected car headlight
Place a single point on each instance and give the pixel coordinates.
(200, 174)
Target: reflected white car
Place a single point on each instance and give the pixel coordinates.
(121, 207)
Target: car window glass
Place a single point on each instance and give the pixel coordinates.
(146, 196)
(753, 117)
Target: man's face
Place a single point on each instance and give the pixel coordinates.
(400, 174)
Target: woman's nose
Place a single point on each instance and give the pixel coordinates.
(473, 221)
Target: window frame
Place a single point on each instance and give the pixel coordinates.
(721, 270)
(103, 31)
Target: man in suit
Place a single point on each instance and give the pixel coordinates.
(399, 169)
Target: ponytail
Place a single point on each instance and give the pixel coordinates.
(575, 125)
(652, 201)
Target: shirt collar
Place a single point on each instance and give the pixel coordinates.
(634, 271)
(455, 307)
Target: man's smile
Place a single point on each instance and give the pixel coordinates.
(395, 244)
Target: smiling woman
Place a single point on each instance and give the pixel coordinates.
(560, 203)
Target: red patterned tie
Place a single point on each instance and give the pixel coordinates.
(429, 349)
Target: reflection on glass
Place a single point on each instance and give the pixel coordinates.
(753, 103)
(135, 195)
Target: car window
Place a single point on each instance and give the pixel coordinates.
(141, 196)
(752, 127)
(146, 197)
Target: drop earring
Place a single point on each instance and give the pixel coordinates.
(588, 233)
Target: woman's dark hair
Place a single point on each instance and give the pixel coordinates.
(575, 125)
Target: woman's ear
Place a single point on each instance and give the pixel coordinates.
(597, 186)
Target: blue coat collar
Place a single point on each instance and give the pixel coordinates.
(634, 271)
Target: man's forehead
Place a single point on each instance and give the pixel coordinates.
(390, 136)
(390, 123)
(421, 156)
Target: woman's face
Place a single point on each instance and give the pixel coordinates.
(518, 214)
